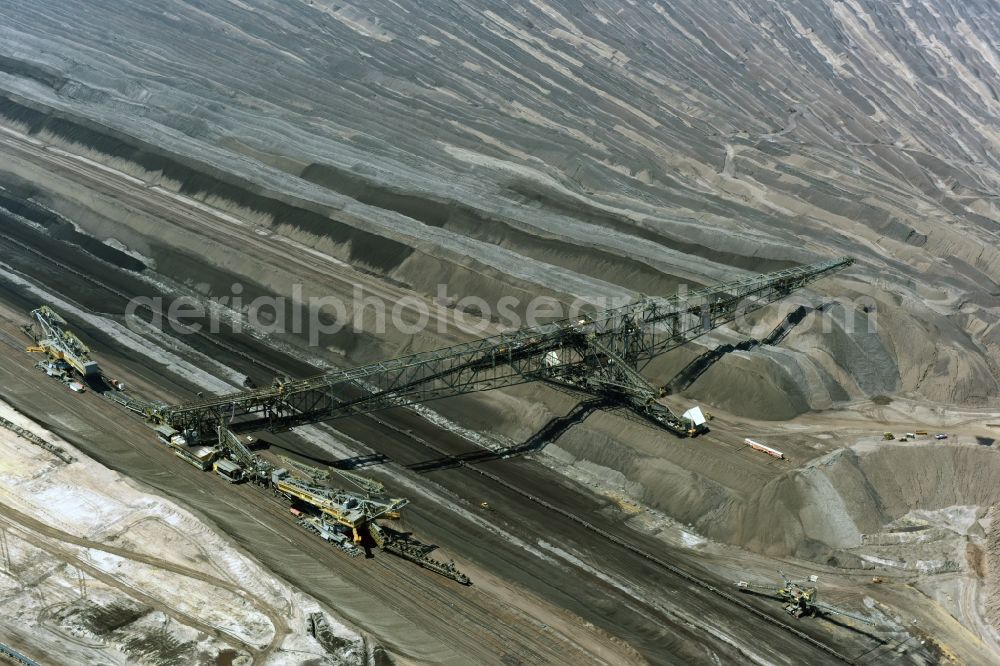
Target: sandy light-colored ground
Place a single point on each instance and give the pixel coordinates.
(95, 570)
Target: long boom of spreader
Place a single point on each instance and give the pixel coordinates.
(599, 353)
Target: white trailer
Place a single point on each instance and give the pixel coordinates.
(757, 446)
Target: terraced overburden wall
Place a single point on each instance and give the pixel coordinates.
(579, 151)
(553, 148)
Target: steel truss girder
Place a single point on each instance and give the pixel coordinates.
(599, 353)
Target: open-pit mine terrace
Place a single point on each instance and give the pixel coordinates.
(593, 151)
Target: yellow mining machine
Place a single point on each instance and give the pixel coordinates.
(343, 517)
(800, 598)
(54, 339)
(339, 511)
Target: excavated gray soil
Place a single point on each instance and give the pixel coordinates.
(596, 152)
(571, 151)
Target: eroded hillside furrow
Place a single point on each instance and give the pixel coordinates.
(580, 151)
(560, 137)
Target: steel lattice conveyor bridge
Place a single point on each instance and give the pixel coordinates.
(599, 354)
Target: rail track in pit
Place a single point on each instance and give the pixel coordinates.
(612, 538)
(421, 587)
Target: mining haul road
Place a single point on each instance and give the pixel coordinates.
(552, 580)
(42, 535)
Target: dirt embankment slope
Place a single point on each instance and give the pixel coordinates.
(553, 150)
(95, 570)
